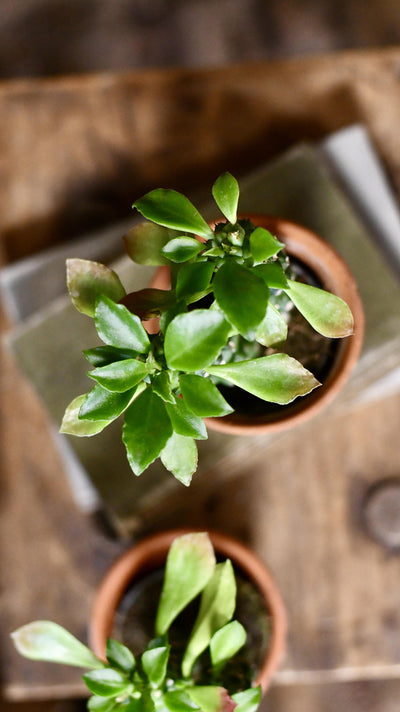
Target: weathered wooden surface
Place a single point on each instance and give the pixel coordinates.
(77, 150)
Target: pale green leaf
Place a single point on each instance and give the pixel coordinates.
(226, 642)
(216, 609)
(277, 378)
(193, 340)
(154, 663)
(226, 194)
(248, 700)
(273, 328)
(211, 698)
(180, 457)
(87, 280)
(45, 640)
(172, 209)
(73, 425)
(327, 313)
(191, 562)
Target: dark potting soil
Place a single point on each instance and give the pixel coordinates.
(134, 626)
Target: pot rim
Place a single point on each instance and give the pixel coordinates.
(151, 552)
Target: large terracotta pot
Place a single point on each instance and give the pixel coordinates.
(333, 275)
(151, 554)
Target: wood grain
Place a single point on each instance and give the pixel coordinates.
(75, 151)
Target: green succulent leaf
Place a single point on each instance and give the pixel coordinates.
(119, 656)
(149, 303)
(327, 313)
(180, 457)
(202, 397)
(101, 404)
(116, 326)
(273, 328)
(210, 698)
(87, 280)
(182, 249)
(103, 355)
(143, 703)
(44, 640)
(193, 279)
(179, 701)
(248, 700)
(272, 274)
(191, 561)
(120, 376)
(146, 430)
(162, 386)
(154, 663)
(172, 209)
(226, 642)
(263, 245)
(106, 682)
(277, 378)
(101, 704)
(145, 241)
(193, 340)
(226, 194)
(73, 425)
(185, 422)
(216, 609)
(242, 296)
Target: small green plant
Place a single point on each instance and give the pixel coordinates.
(164, 384)
(148, 684)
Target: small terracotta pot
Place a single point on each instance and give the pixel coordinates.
(150, 554)
(333, 274)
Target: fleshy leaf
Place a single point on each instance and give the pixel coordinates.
(45, 640)
(248, 700)
(185, 422)
(181, 249)
(211, 699)
(191, 561)
(119, 656)
(179, 701)
(180, 457)
(120, 376)
(154, 663)
(101, 704)
(149, 303)
(101, 404)
(277, 378)
(242, 296)
(103, 355)
(226, 642)
(193, 340)
(202, 397)
(263, 245)
(73, 425)
(145, 241)
(172, 209)
(226, 194)
(86, 280)
(146, 430)
(116, 326)
(106, 682)
(216, 609)
(327, 313)
(193, 278)
(162, 386)
(273, 328)
(272, 274)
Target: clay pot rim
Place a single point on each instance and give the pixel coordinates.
(150, 553)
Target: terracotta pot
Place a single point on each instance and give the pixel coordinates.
(150, 554)
(333, 274)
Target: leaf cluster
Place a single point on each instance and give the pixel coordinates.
(224, 284)
(146, 684)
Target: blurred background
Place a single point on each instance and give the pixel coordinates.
(50, 37)
(40, 38)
